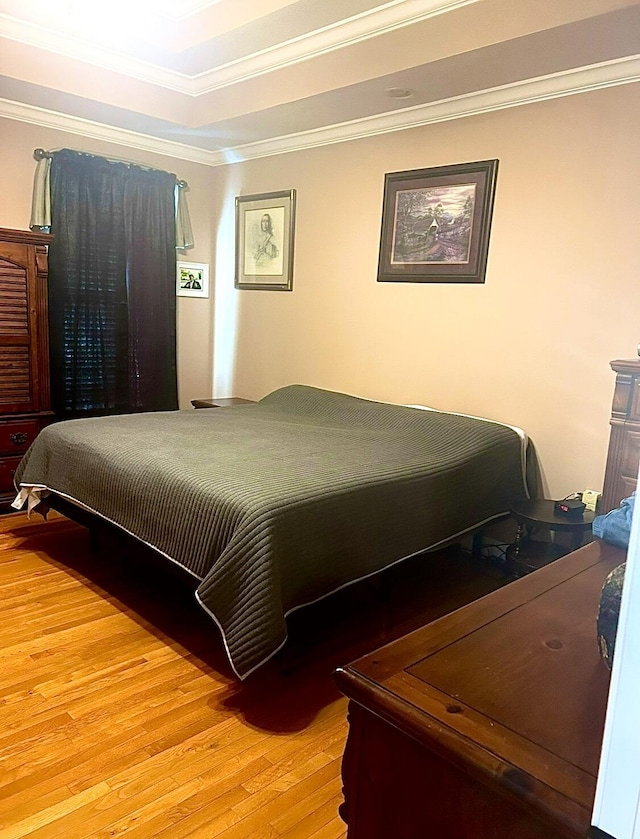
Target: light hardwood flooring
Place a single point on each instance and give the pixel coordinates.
(120, 717)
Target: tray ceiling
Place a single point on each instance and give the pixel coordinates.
(229, 79)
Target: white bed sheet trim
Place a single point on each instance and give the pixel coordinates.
(33, 494)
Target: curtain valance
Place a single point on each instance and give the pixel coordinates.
(41, 201)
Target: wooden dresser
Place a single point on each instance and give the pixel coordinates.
(623, 458)
(24, 349)
(487, 723)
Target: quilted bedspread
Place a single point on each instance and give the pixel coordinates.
(276, 504)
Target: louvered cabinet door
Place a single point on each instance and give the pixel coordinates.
(19, 391)
(24, 349)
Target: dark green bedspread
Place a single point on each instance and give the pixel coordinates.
(274, 505)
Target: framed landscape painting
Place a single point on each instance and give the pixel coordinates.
(436, 224)
(264, 240)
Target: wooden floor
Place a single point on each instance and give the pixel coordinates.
(120, 717)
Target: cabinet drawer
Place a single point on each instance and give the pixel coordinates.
(8, 466)
(17, 435)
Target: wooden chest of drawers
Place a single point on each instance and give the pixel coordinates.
(623, 457)
(24, 349)
(487, 723)
(16, 435)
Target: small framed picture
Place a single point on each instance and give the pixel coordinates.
(436, 224)
(192, 279)
(264, 240)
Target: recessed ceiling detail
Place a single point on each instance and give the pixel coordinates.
(221, 79)
(399, 92)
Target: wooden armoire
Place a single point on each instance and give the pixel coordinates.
(24, 349)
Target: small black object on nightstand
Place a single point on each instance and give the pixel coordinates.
(569, 507)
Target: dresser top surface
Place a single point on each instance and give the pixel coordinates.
(28, 237)
(528, 669)
(626, 365)
(512, 684)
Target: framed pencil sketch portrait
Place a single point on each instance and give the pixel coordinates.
(192, 279)
(436, 224)
(264, 240)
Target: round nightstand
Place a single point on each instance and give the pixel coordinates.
(526, 554)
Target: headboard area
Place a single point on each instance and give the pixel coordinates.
(623, 457)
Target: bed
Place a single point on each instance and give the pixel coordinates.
(274, 505)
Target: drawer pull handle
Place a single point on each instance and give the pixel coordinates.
(19, 437)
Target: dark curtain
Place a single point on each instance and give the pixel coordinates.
(112, 304)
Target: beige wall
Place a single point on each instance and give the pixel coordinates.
(195, 319)
(530, 347)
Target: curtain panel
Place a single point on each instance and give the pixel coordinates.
(112, 303)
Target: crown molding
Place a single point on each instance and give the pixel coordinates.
(99, 131)
(78, 49)
(582, 80)
(364, 26)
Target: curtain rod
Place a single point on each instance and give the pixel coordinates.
(41, 154)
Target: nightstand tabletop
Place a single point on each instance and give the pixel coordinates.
(225, 402)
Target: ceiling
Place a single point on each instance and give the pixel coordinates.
(218, 80)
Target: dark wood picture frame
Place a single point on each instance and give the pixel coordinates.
(436, 224)
(265, 227)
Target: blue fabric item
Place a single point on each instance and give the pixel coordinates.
(615, 526)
